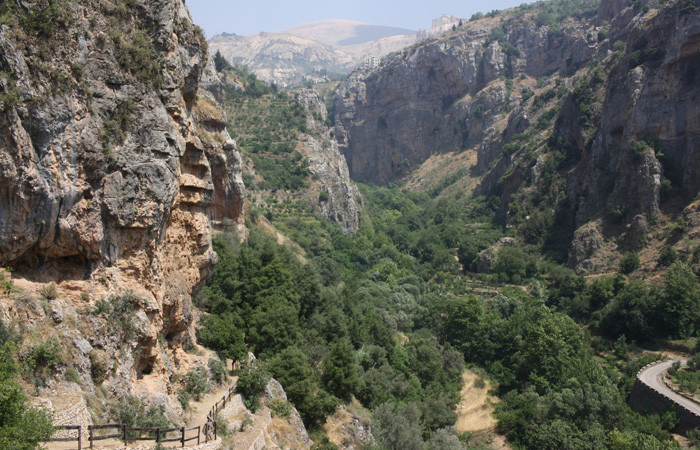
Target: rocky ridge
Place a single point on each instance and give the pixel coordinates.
(114, 166)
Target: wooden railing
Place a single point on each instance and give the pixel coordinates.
(159, 435)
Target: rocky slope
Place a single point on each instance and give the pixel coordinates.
(311, 52)
(602, 99)
(332, 193)
(282, 58)
(114, 165)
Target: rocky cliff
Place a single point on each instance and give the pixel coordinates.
(114, 165)
(582, 119)
(331, 193)
(443, 94)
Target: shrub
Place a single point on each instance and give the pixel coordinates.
(21, 427)
(133, 412)
(618, 213)
(280, 408)
(137, 55)
(49, 291)
(668, 256)
(99, 366)
(629, 263)
(72, 375)
(251, 382)
(44, 357)
(639, 148)
(218, 370)
(195, 383)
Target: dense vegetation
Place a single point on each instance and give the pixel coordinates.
(383, 316)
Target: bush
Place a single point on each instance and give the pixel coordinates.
(99, 366)
(137, 55)
(639, 148)
(195, 383)
(44, 357)
(218, 370)
(629, 263)
(133, 412)
(49, 291)
(618, 213)
(668, 256)
(510, 262)
(280, 408)
(21, 427)
(72, 375)
(252, 381)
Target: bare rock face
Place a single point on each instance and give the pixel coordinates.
(332, 194)
(443, 94)
(657, 100)
(114, 166)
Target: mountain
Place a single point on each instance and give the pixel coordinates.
(346, 34)
(315, 51)
(283, 58)
(588, 109)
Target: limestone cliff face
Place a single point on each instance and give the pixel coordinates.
(657, 100)
(443, 94)
(114, 165)
(331, 193)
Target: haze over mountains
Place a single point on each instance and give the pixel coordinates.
(313, 51)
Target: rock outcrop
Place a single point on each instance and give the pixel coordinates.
(114, 165)
(331, 193)
(441, 95)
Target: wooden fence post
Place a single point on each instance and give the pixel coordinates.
(80, 438)
(126, 438)
(183, 436)
(90, 434)
(214, 430)
(157, 434)
(198, 430)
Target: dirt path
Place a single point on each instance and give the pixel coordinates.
(199, 410)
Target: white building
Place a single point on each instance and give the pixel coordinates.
(371, 62)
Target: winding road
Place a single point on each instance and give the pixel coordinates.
(651, 376)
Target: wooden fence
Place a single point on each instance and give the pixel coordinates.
(158, 435)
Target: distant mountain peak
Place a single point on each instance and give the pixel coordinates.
(344, 33)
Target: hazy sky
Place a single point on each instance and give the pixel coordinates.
(253, 16)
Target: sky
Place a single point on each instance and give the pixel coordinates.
(253, 16)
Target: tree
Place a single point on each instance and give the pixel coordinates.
(220, 62)
(21, 427)
(681, 300)
(340, 370)
(511, 262)
(629, 263)
(398, 426)
(252, 380)
(222, 334)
